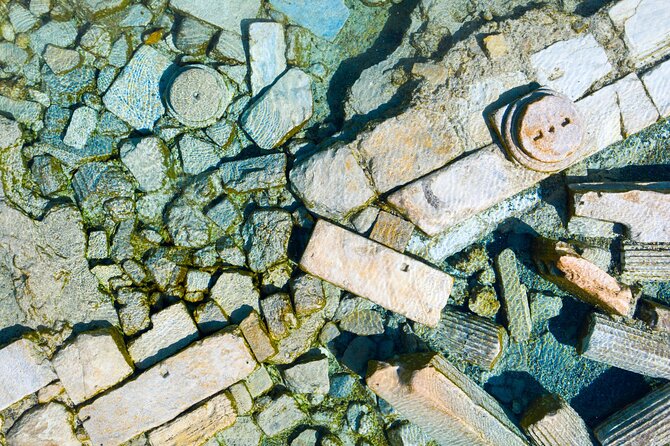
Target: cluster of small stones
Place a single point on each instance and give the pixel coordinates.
(182, 262)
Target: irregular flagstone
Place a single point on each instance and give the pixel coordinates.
(48, 425)
(267, 49)
(380, 274)
(135, 94)
(644, 208)
(226, 14)
(657, 83)
(637, 110)
(92, 363)
(147, 161)
(646, 25)
(446, 404)
(262, 172)
(281, 111)
(550, 421)
(197, 426)
(167, 389)
(325, 18)
(24, 369)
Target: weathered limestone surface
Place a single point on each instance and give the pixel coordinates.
(267, 47)
(644, 208)
(627, 347)
(197, 426)
(646, 25)
(550, 421)
(371, 270)
(226, 14)
(443, 402)
(637, 110)
(280, 415)
(24, 369)
(48, 425)
(168, 389)
(392, 231)
(93, 362)
(514, 296)
(645, 422)
(657, 81)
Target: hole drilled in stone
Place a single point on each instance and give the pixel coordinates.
(538, 136)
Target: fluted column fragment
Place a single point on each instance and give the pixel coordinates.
(550, 421)
(646, 261)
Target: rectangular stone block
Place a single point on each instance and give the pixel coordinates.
(257, 336)
(637, 110)
(646, 25)
(514, 296)
(447, 405)
(24, 369)
(197, 426)
(168, 389)
(92, 363)
(375, 272)
(657, 82)
(392, 231)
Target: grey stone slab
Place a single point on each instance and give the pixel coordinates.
(226, 14)
(267, 48)
(83, 122)
(324, 18)
(235, 292)
(280, 415)
(24, 369)
(147, 160)
(256, 173)
(47, 425)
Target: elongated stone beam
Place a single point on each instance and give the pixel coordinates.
(558, 262)
(646, 261)
(24, 369)
(644, 208)
(376, 272)
(655, 315)
(550, 421)
(514, 296)
(168, 389)
(474, 339)
(627, 347)
(646, 422)
(447, 405)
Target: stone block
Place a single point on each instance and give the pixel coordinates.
(392, 231)
(550, 421)
(147, 161)
(280, 415)
(235, 293)
(324, 18)
(267, 49)
(226, 14)
(24, 369)
(646, 25)
(656, 82)
(310, 376)
(241, 398)
(47, 425)
(514, 296)
(278, 314)
(637, 110)
(256, 335)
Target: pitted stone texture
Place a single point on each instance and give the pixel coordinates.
(267, 49)
(197, 426)
(657, 82)
(331, 183)
(637, 110)
(135, 94)
(24, 369)
(226, 14)
(646, 25)
(380, 274)
(198, 96)
(48, 425)
(10, 133)
(572, 66)
(325, 18)
(235, 292)
(92, 363)
(147, 161)
(168, 389)
(281, 111)
(172, 329)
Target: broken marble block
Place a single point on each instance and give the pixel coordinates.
(47, 425)
(447, 405)
(135, 94)
(656, 82)
(280, 415)
(83, 122)
(392, 231)
(550, 421)
(559, 263)
(380, 274)
(644, 208)
(514, 296)
(267, 49)
(637, 109)
(646, 25)
(627, 347)
(198, 425)
(257, 337)
(92, 363)
(147, 160)
(24, 369)
(280, 111)
(172, 329)
(324, 18)
(167, 389)
(331, 183)
(226, 14)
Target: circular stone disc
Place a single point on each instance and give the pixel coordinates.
(197, 96)
(549, 129)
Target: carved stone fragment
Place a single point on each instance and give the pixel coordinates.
(646, 261)
(550, 421)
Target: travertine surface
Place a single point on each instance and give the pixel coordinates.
(197, 426)
(48, 425)
(443, 402)
(168, 388)
(24, 369)
(93, 362)
(371, 270)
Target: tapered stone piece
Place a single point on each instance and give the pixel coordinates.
(514, 296)
(646, 261)
(443, 402)
(550, 421)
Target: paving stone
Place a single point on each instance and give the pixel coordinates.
(193, 36)
(392, 231)
(10, 133)
(40, 7)
(571, 66)
(363, 322)
(97, 8)
(244, 432)
(280, 111)
(209, 317)
(308, 377)
(280, 415)
(331, 183)
(147, 161)
(278, 315)
(58, 33)
(202, 370)
(267, 47)
(308, 437)
(308, 295)
(229, 252)
(637, 110)
(24, 369)
(646, 25)
(328, 333)
(225, 214)
(26, 112)
(256, 335)
(252, 174)
(61, 60)
(227, 14)
(235, 292)
(229, 47)
(197, 426)
(358, 353)
(656, 82)
(266, 235)
(197, 280)
(322, 17)
(120, 52)
(47, 425)
(601, 114)
(241, 398)
(172, 329)
(364, 268)
(135, 94)
(82, 124)
(92, 363)
(135, 15)
(551, 421)
(259, 382)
